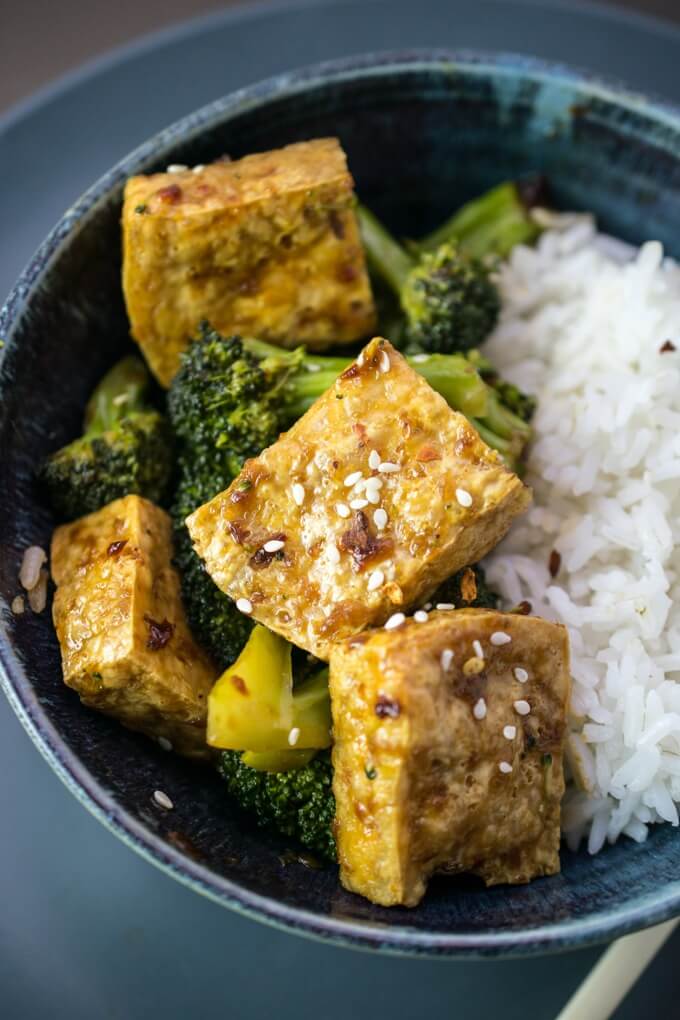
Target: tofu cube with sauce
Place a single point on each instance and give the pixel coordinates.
(374, 497)
(264, 246)
(125, 643)
(448, 751)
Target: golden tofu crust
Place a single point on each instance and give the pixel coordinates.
(372, 499)
(445, 760)
(125, 643)
(265, 246)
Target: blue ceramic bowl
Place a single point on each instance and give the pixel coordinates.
(424, 132)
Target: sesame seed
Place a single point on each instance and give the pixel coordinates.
(478, 650)
(420, 358)
(294, 736)
(352, 479)
(298, 494)
(522, 707)
(333, 554)
(360, 359)
(244, 605)
(520, 674)
(387, 467)
(163, 800)
(374, 459)
(374, 483)
(375, 580)
(342, 510)
(197, 169)
(445, 605)
(380, 518)
(384, 362)
(464, 497)
(479, 711)
(358, 504)
(420, 616)
(428, 606)
(499, 637)
(395, 621)
(165, 743)
(505, 767)
(446, 658)
(509, 732)
(273, 545)
(177, 168)
(373, 496)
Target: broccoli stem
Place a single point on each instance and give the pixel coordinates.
(385, 256)
(119, 392)
(489, 225)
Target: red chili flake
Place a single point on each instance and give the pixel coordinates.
(359, 542)
(170, 194)
(428, 453)
(360, 430)
(468, 585)
(667, 346)
(352, 372)
(554, 563)
(238, 532)
(387, 708)
(116, 547)
(262, 558)
(159, 633)
(239, 683)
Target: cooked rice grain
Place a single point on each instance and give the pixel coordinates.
(582, 328)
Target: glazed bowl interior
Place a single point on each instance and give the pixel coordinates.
(423, 134)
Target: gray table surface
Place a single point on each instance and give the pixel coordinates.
(87, 929)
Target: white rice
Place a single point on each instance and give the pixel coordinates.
(582, 329)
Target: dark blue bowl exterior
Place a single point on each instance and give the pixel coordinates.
(423, 133)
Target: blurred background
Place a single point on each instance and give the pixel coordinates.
(41, 39)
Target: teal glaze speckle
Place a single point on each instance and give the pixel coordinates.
(423, 132)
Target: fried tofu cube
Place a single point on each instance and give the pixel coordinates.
(371, 500)
(125, 644)
(448, 751)
(264, 246)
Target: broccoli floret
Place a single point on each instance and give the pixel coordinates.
(511, 397)
(299, 804)
(448, 298)
(126, 447)
(467, 589)
(493, 223)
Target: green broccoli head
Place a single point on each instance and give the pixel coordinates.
(298, 804)
(450, 302)
(467, 589)
(219, 402)
(126, 448)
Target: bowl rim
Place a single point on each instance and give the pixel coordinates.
(562, 934)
